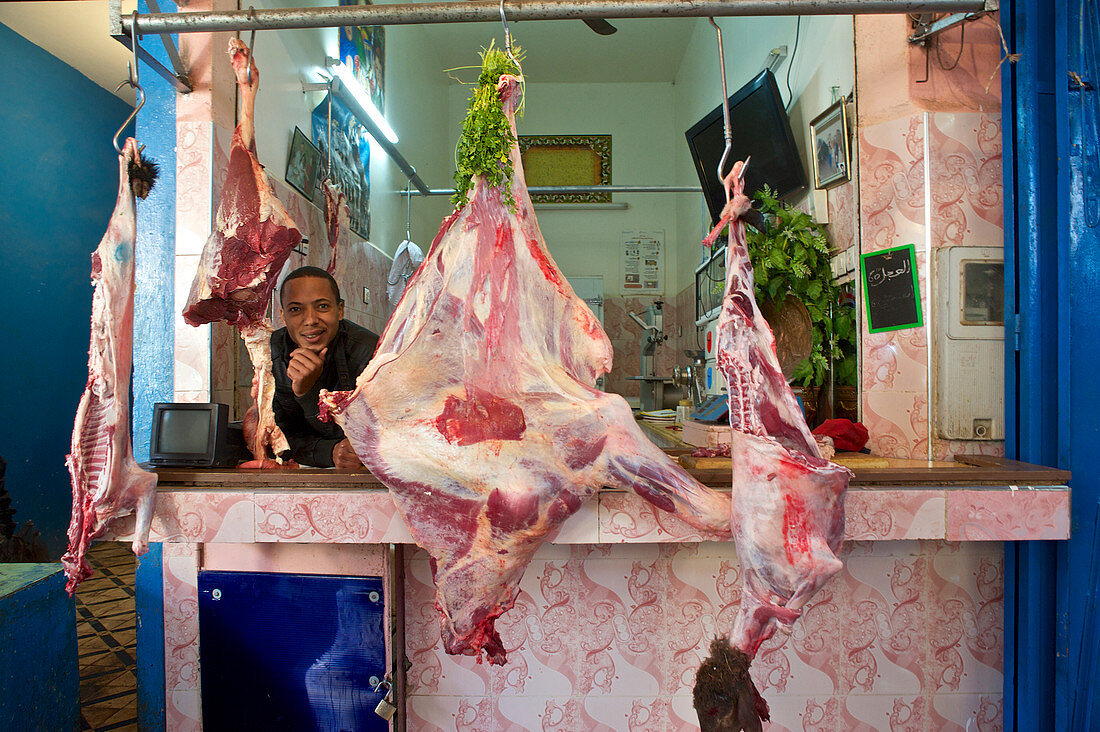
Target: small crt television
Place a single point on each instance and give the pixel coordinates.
(195, 435)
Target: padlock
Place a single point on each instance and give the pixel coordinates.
(385, 710)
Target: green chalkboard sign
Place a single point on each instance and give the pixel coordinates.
(891, 289)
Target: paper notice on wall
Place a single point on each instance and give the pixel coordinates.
(643, 263)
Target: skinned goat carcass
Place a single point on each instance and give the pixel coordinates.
(106, 480)
(788, 502)
(479, 410)
(253, 236)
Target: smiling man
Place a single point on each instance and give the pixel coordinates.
(316, 350)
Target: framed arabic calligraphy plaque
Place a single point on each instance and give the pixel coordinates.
(891, 289)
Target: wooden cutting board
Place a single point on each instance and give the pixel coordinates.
(847, 459)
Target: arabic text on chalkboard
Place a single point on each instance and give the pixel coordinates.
(891, 289)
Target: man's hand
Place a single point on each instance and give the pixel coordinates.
(304, 369)
(343, 456)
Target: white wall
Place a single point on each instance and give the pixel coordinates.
(641, 121)
(416, 104)
(646, 122)
(825, 58)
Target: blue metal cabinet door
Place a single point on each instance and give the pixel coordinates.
(290, 652)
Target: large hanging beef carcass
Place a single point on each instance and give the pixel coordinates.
(788, 502)
(106, 480)
(253, 236)
(479, 410)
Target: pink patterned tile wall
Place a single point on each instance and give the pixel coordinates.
(966, 186)
(609, 637)
(894, 377)
(626, 338)
(181, 629)
(843, 225)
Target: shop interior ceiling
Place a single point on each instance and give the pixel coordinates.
(77, 33)
(559, 51)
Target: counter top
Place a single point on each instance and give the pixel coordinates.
(975, 499)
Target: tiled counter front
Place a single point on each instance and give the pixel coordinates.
(616, 613)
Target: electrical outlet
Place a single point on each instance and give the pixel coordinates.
(366, 296)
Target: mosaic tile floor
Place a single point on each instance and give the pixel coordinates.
(106, 640)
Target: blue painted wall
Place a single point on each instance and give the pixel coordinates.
(59, 176)
(39, 683)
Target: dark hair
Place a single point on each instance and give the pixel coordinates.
(310, 272)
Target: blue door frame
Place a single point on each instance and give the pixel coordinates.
(1052, 400)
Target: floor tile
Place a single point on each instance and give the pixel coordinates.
(106, 640)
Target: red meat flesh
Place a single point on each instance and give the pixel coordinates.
(336, 221)
(253, 236)
(788, 502)
(106, 480)
(479, 412)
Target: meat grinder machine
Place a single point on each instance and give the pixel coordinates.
(651, 387)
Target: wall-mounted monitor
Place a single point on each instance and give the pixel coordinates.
(761, 129)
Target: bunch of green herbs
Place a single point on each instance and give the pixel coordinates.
(486, 136)
(792, 258)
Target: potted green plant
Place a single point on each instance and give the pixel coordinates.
(792, 258)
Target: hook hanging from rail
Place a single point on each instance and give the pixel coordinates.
(507, 35)
(131, 80)
(408, 211)
(725, 103)
(251, 43)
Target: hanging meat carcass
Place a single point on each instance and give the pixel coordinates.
(478, 410)
(106, 480)
(336, 221)
(253, 236)
(788, 502)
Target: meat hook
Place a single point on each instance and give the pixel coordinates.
(131, 80)
(408, 211)
(507, 35)
(725, 103)
(251, 43)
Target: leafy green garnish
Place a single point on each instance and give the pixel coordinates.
(486, 136)
(792, 258)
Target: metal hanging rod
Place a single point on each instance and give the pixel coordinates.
(549, 190)
(476, 11)
(926, 31)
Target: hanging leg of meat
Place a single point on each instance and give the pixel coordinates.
(336, 221)
(788, 502)
(253, 234)
(478, 410)
(265, 439)
(107, 482)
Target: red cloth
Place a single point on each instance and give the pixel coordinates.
(847, 435)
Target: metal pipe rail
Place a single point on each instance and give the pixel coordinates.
(477, 11)
(548, 190)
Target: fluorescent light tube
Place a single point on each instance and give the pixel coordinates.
(352, 85)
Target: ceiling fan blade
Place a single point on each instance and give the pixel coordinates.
(600, 25)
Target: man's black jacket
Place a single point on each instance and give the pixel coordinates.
(311, 441)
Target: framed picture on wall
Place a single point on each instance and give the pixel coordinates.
(303, 164)
(829, 137)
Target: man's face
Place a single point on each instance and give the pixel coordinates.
(311, 312)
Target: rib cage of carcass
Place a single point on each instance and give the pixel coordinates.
(478, 410)
(106, 480)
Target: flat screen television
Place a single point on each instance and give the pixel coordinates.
(761, 129)
(195, 435)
